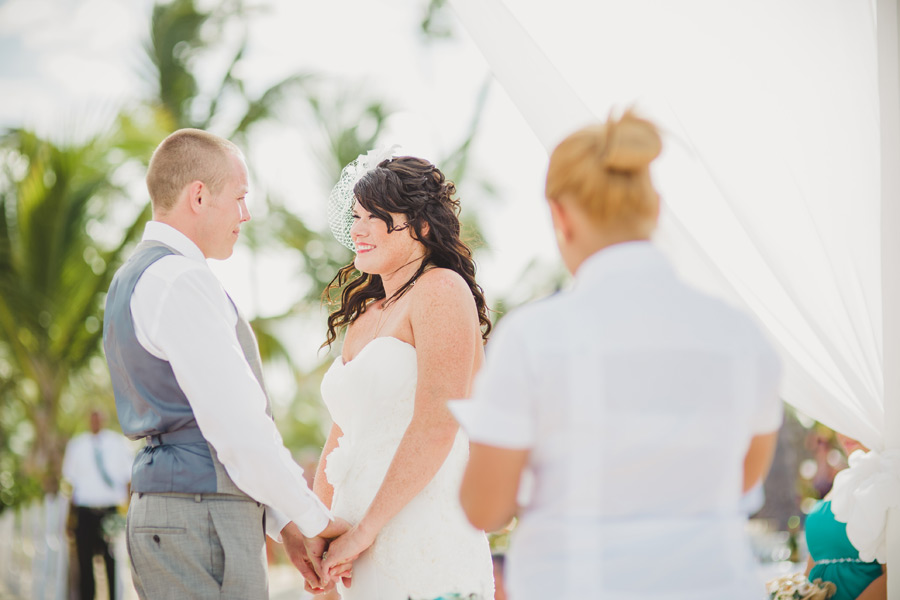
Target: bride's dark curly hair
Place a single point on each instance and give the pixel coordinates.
(416, 188)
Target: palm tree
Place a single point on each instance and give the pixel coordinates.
(54, 275)
(65, 226)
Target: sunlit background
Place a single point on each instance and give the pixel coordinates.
(89, 87)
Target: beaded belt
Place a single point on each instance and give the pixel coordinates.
(834, 561)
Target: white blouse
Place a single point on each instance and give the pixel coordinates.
(637, 397)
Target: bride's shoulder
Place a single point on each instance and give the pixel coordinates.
(442, 281)
(441, 289)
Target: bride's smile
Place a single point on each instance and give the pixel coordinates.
(389, 250)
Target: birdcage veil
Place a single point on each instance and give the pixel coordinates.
(341, 199)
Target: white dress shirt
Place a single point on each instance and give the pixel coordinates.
(182, 315)
(637, 398)
(82, 467)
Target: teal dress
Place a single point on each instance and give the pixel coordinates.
(837, 560)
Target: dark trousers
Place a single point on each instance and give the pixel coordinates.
(89, 542)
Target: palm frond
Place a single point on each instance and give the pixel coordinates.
(263, 107)
(270, 346)
(175, 29)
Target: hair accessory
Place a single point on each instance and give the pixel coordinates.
(340, 202)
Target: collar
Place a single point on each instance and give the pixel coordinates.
(168, 235)
(621, 258)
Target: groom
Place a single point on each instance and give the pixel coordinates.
(215, 476)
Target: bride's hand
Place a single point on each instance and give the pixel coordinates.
(344, 550)
(343, 572)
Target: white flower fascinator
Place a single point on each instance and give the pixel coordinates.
(340, 202)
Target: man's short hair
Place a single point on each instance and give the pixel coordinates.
(184, 156)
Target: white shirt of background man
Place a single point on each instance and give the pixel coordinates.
(81, 468)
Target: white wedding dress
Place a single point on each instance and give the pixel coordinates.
(428, 549)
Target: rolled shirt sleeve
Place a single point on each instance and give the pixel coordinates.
(770, 408)
(194, 330)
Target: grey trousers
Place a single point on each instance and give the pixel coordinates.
(185, 546)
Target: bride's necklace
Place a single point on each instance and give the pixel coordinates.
(383, 312)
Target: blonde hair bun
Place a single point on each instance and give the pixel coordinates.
(632, 143)
(604, 169)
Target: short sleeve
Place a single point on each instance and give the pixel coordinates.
(502, 410)
(769, 407)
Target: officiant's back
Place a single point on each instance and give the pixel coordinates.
(635, 396)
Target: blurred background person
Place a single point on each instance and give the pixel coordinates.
(820, 442)
(98, 465)
(832, 557)
(644, 408)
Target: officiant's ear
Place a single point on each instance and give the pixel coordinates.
(562, 220)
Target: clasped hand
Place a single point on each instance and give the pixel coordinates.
(328, 557)
(338, 560)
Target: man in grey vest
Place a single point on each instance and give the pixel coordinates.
(186, 373)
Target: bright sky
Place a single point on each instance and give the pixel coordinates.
(65, 65)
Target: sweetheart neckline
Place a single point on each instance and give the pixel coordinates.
(340, 358)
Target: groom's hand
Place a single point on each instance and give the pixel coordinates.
(306, 555)
(315, 551)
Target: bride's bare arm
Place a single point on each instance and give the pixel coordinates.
(321, 487)
(445, 325)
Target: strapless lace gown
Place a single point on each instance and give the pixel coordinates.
(428, 549)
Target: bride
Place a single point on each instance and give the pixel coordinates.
(415, 324)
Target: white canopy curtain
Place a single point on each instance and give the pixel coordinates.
(776, 114)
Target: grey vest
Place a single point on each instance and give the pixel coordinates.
(149, 402)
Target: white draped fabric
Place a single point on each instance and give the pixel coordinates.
(776, 116)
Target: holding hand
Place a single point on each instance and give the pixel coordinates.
(295, 544)
(306, 553)
(344, 550)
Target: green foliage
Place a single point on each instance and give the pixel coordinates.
(435, 22)
(175, 39)
(181, 37)
(351, 124)
(53, 278)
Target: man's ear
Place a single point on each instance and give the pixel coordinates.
(197, 194)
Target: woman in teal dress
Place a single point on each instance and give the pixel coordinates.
(833, 558)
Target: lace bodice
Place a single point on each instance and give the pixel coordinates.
(385, 369)
(428, 549)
